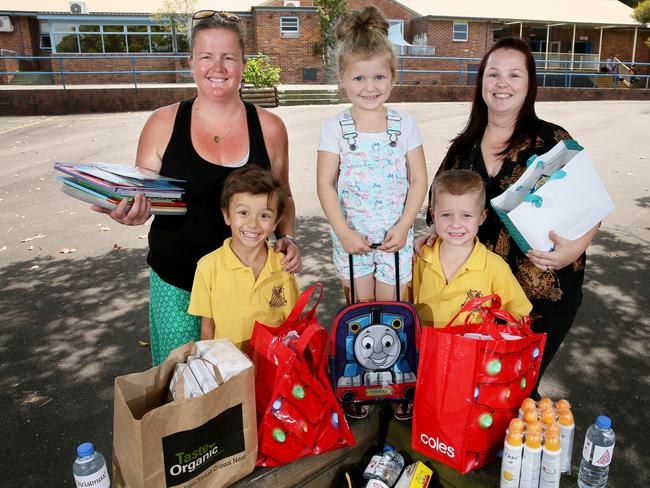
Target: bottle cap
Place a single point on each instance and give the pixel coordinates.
(545, 402)
(530, 415)
(548, 416)
(552, 430)
(388, 448)
(86, 449)
(527, 403)
(562, 404)
(534, 428)
(514, 438)
(516, 425)
(604, 422)
(552, 442)
(565, 417)
(534, 440)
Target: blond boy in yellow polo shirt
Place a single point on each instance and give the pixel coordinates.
(458, 267)
(243, 281)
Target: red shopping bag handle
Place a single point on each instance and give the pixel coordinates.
(302, 301)
(488, 314)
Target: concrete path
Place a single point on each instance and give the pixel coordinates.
(72, 321)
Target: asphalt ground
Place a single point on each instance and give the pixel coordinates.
(74, 283)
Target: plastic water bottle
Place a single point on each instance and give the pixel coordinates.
(597, 454)
(89, 468)
(389, 466)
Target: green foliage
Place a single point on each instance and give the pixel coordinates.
(630, 3)
(260, 73)
(642, 14)
(179, 14)
(328, 12)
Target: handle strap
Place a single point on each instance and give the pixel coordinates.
(473, 304)
(302, 301)
(351, 264)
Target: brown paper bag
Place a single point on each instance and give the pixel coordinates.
(207, 441)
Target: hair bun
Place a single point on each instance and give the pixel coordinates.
(358, 22)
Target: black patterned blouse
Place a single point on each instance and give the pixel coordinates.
(554, 292)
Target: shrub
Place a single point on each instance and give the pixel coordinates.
(260, 73)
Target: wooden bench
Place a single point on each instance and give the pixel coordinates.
(317, 471)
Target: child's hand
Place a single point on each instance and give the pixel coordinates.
(395, 238)
(355, 243)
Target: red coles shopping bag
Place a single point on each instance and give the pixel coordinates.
(471, 380)
(297, 412)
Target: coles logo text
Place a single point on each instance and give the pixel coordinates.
(435, 443)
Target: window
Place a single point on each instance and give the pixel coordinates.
(110, 38)
(44, 36)
(461, 31)
(289, 27)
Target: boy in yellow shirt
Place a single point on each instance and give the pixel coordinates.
(458, 267)
(243, 281)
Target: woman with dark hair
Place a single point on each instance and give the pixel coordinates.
(502, 132)
(203, 140)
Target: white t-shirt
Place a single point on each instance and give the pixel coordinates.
(331, 136)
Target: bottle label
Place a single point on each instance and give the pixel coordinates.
(602, 456)
(96, 480)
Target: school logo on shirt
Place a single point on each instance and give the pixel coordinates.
(278, 299)
(471, 295)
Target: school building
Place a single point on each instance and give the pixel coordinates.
(122, 35)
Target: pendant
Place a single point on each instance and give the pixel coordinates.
(217, 139)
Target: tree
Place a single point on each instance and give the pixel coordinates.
(642, 14)
(179, 14)
(328, 12)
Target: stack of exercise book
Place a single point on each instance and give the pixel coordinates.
(106, 184)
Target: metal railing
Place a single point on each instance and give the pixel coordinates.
(444, 70)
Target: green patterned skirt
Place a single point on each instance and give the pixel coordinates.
(170, 324)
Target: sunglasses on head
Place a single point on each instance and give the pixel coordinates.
(207, 14)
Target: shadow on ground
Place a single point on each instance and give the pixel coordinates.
(71, 325)
(602, 367)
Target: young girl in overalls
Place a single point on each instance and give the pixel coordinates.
(371, 170)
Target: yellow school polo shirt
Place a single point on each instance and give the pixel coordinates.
(226, 291)
(483, 273)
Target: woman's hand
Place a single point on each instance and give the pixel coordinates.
(564, 253)
(292, 261)
(136, 214)
(395, 238)
(426, 240)
(354, 243)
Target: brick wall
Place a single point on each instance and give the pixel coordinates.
(75, 101)
(291, 54)
(115, 62)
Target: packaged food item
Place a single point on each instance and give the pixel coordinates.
(416, 475)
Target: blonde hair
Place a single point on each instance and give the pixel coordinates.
(217, 22)
(458, 182)
(363, 33)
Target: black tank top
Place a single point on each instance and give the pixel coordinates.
(176, 243)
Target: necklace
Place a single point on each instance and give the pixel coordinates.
(218, 139)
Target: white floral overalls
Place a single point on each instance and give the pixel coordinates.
(372, 187)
